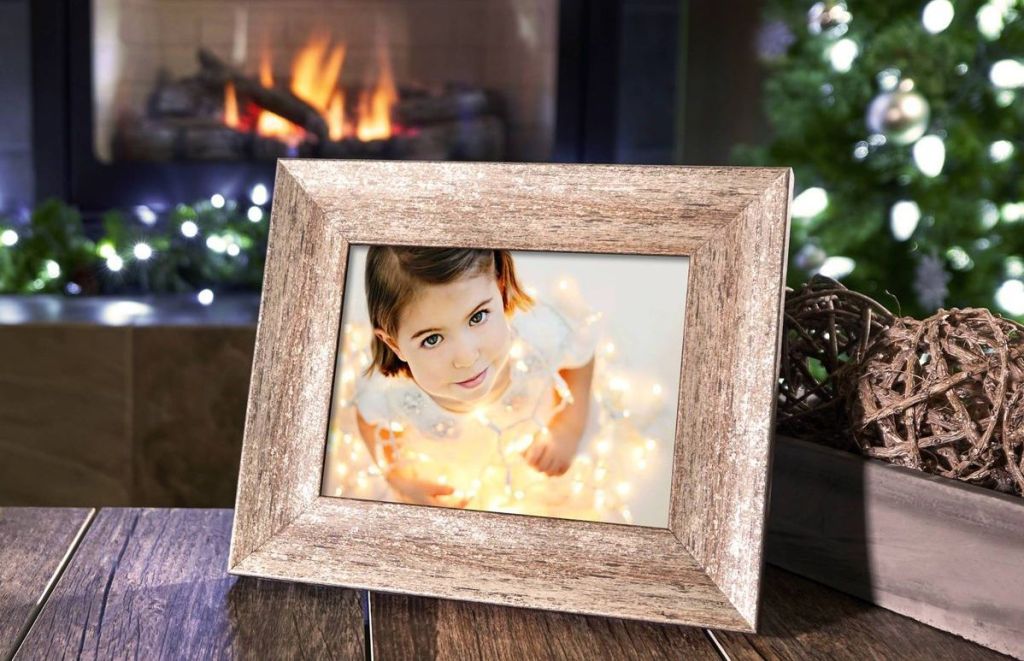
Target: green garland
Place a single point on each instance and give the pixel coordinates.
(968, 243)
(190, 248)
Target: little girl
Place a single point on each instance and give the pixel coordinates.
(476, 394)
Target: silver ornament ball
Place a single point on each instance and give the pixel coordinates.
(900, 115)
(830, 17)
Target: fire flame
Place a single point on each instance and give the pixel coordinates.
(230, 106)
(375, 106)
(316, 73)
(336, 116)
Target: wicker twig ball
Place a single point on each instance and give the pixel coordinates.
(944, 395)
(826, 331)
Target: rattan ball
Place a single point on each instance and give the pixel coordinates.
(826, 331)
(944, 395)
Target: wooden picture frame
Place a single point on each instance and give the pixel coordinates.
(705, 568)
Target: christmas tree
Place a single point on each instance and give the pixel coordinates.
(903, 122)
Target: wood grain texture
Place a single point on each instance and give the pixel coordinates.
(555, 564)
(34, 543)
(151, 584)
(189, 386)
(407, 627)
(805, 620)
(729, 376)
(44, 413)
(940, 551)
(731, 222)
(293, 366)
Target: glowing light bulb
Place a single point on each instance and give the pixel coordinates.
(623, 488)
(930, 155)
(1007, 74)
(837, 267)
(52, 269)
(233, 249)
(205, 297)
(254, 214)
(259, 194)
(217, 201)
(1012, 212)
(656, 389)
(959, 258)
(115, 263)
(903, 219)
(990, 21)
(189, 229)
(937, 16)
(618, 384)
(145, 215)
(8, 237)
(842, 54)
(810, 203)
(142, 251)
(1000, 150)
(1010, 297)
(217, 244)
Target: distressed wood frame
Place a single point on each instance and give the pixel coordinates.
(705, 568)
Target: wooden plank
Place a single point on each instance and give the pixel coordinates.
(34, 544)
(406, 627)
(805, 620)
(940, 551)
(153, 584)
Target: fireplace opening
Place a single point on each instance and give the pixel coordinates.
(224, 80)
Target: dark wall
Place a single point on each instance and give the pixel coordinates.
(722, 105)
(16, 180)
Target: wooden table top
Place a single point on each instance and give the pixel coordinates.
(152, 583)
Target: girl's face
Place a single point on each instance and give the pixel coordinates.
(455, 338)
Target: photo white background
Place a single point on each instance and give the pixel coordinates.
(642, 298)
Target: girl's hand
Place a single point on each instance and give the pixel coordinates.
(422, 492)
(552, 451)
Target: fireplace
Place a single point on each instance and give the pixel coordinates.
(223, 80)
(156, 102)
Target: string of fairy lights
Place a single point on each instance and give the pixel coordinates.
(201, 248)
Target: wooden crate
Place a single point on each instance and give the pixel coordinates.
(943, 552)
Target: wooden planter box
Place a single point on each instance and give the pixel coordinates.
(943, 552)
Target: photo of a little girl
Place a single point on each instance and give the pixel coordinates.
(461, 386)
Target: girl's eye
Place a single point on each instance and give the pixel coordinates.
(431, 340)
(479, 317)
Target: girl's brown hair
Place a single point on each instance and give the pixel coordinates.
(393, 274)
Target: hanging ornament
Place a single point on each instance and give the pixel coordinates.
(831, 18)
(930, 282)
(901, 114)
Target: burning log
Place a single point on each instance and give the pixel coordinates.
(277, 100)
(456, 103)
